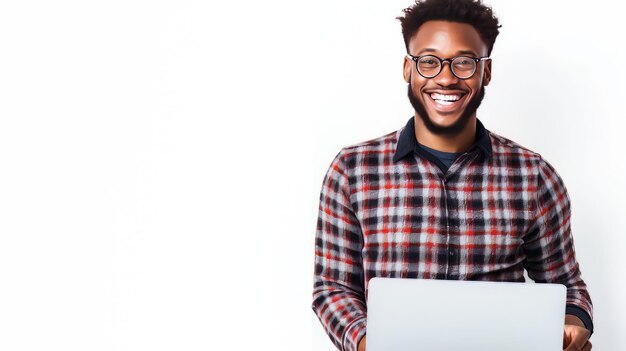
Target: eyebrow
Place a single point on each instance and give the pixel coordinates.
(460, 52)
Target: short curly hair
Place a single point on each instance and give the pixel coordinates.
(472, 12)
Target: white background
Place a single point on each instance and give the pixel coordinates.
(161, 161)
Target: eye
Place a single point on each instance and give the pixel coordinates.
(428, 62)
(464, 64)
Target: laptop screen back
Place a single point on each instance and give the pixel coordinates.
(425, 315)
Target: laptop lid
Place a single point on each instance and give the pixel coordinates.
(440, 315)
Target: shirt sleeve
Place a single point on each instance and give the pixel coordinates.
(338, 284)
(549, 246)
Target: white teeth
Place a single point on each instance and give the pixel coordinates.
(444, 102)
(441, 97)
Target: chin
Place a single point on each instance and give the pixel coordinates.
(444, 121)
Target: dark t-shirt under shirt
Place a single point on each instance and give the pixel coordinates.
(447, 158)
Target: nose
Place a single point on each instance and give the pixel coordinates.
(446, 77)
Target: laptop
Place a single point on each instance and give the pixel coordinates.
(447, 315)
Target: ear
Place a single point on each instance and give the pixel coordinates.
(487, 73)
(408, 64)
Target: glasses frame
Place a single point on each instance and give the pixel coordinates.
(449, 60)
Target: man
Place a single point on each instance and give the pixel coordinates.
(443, 197)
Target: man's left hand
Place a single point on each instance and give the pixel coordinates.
(575, 335)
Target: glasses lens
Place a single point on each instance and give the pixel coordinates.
(463, 67)
(428, 66)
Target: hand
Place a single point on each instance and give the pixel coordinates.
(575, 335)
(361, 345)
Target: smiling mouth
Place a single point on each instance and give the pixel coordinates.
(446, 102)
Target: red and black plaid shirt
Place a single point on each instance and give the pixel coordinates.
(388, 210)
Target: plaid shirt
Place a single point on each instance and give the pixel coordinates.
(387, 210)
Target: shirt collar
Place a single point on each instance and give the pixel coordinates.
(407, 142)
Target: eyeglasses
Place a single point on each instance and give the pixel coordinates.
(463, 67)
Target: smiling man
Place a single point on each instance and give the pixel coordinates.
(443, 197)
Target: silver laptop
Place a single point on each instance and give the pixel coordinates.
(442, 315)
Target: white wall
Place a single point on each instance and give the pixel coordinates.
(161, 161)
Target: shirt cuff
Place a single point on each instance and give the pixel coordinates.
(354, 332)
(582, 314)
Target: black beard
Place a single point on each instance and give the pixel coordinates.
(455, 128)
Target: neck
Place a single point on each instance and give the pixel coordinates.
(460, 142)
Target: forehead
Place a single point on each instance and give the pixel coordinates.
(447, 39)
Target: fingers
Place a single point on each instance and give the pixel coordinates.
(574, 346)
(576, 339)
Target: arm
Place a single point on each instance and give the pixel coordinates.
(549, 246)
(338, 286)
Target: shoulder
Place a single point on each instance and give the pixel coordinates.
(376, 144)
(511, 154)
(504, 148)
(369, 152)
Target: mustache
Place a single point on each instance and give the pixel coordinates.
(447, 87)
